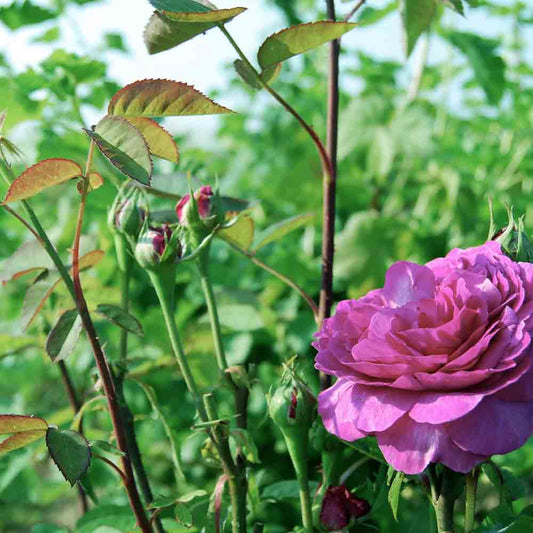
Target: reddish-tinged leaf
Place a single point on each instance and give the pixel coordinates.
(220, 15)
(90, 259)
(219, 491)
(17, 423)
(299, 39)
(19, 440)
(124, 146)
(160, 142)
(95, 182)
(41, 176)
(162, 98)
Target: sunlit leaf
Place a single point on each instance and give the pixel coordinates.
(95, 182)
(240, 233)
(41, 176)
(124, 146)
(10, 345)
(70, 451)
(279, 230)
(299, 39)
(160, 142)
(121, 318)
(64, 336)
(190, 6)
(394, 493)
(214, 16)
(19, 14)
(101, 446)
(489, 68)
(162, 98)
(416, 16)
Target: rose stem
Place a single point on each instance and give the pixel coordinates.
(102, 363)
(125, 267)
(240, 393)
(470, 501)
(163, 282)
(41, 236)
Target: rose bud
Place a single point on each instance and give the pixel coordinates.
(514, 240)
(157, 245)
(292, 405)
(202, 213)
(128, 212)
(339, 507)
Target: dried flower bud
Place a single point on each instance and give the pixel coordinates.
(339, 507)
(157, 245)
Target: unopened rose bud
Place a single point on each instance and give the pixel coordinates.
(339, 507)
(128, 212)
(292, 405)
(201, 215)
(157, 245)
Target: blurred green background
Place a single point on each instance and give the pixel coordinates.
(424, 144)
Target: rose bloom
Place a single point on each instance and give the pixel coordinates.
(437, 364)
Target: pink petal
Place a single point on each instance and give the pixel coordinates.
(439, 407)
(494, 427)
(407, 282)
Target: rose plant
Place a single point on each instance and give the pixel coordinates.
(436, 366)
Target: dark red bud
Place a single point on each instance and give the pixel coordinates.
(340, 506)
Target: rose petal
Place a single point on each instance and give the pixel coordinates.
(494, 427)
(443, 407)
(407, 282)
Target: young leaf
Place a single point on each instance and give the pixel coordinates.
(95, 182)
(489, 68)
(298, 39)
(416, 16)
(41, 176)
(125, 147)
(190, 6)
(36, 297)
(394, 493)
(240, 232)
(246, 74)
(162, 98)
(64, 336)
(24, 429)
(160, 142)
(70, 451)
(191, 496)
(183, 515)
(17, 423)
(101, 446)
(121, 318)
(19, 440)
(279, 230)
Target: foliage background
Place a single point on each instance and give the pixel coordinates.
(418, 163)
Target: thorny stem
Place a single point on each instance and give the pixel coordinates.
(288, 281)
(40, 234)
(470, 500)
(102, 364)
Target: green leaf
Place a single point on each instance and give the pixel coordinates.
(186, 6)
(115, 41)
(41, 176)
(183, 515)
(191, 496)
(246, 74)
(70, 451)
(489, 68)
(416, 16)
(64, 336)
(299, 39)
(214, 17)
(17, 14)
(284, 490)
(240, 317)
(124, 146)
(162, 98)
(36, 297)
(11, 345)
(160, 502)
(239, 232)
(380, 157)
(394, 493)
(103, 447)
(121, 318)
(27, 258)
(370, 15)
(105, 515)
(160, 142)
(280, 229)
(49, 36)
(244, 440)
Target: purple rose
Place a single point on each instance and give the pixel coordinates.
(437, 364)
